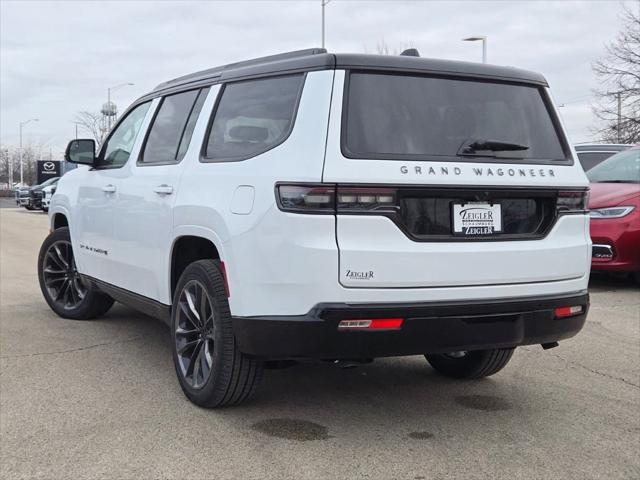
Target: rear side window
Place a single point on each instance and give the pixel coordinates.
(588, 160)
(252, 117)
(170, 132)
(419, 117)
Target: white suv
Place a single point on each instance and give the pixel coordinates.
(331, 206)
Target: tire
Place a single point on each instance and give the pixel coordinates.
(28, 207)
(231, 377)
(472, 365)
(61, 284)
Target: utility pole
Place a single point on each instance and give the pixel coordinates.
(619, 95)
(323, 3)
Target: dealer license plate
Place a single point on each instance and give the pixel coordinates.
(476, 219)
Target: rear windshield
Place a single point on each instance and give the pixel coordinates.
(418, 117)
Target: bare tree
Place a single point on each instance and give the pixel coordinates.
(383, 48)
(618, 104)
(10, 157)
(93, 122)
(5, 165)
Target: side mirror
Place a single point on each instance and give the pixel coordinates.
(81, 151)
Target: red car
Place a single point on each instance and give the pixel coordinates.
(615, 213)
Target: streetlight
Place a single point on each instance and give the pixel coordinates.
(324, 3)
(484, 45)
(109, 109)
(77, 123)
(21, 152)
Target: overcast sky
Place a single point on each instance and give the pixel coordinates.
(58, 58)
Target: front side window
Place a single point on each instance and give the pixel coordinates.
(422, 118)
(170, 133)
(117, 149)
(253, 116)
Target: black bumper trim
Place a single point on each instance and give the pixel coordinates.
(434, 327)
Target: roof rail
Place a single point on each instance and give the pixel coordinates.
(217, 71)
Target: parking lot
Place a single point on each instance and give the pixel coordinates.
(100, 399)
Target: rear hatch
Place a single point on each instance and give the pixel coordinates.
(450, 181)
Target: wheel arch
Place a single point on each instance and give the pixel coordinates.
(188, 246)
(58, 218)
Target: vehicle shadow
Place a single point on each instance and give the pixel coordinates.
(315, 400)
(604, 282)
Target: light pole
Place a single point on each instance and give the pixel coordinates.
(77, 123)
(324, 3)
(21, 152)
(484, 44)
(111, 112)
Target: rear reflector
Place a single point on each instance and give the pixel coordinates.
(563, 312)
(223, 268)
(373, 324)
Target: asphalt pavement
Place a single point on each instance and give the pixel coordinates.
(99, 399)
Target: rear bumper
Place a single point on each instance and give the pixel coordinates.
(428, 328)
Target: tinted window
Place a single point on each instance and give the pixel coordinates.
(117, 150)
(624, 167)
(591, 159)
(253, 116)
(403, 116)
(167, 133)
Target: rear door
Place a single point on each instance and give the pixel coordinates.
(451, 182)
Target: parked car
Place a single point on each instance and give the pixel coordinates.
(32, 198)
(47, 193)
(592, 154)
(615, 213)
(22, 195)
(329, 206)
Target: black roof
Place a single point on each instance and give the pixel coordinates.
(319, 59)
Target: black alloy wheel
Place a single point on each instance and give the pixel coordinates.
(194, 334)
(63, 287)
(61, 276)
(211, 369)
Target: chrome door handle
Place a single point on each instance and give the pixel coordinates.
(163, 189)
(109, 188)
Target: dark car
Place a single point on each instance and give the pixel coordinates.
(32, 199)
(615, 213)
(591, 154)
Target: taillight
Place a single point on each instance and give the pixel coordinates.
(359, 199)
(335, 199)
(572, 201)
(306, 198)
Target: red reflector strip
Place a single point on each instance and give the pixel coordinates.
(562, 312)
(226, 280)
(373, 324)
(386, 323)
